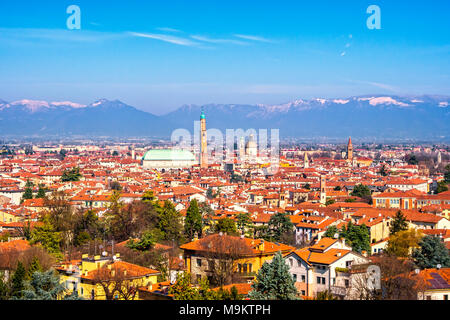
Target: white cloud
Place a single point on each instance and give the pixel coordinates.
(166, 38)
(165, 29)
(253, 38)
(211, 40)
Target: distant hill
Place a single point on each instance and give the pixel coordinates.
(374, 116)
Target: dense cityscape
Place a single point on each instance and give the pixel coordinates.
(143, 220)
(217, 159)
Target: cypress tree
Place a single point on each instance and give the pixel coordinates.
(193, 222)
(17, 281)
(398, 223)
(274, 282)
(35, 266)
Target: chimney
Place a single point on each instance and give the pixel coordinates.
(338, 254)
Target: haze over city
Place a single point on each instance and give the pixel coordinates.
(160, 55)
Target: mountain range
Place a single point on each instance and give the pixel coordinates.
(371, 116)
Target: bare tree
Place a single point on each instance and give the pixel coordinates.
(115, 282)
(223, 253)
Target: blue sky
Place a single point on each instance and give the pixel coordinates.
(159, 55)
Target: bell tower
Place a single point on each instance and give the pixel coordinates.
(350, 150)
(203, 143)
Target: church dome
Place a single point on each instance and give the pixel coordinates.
(168, 155)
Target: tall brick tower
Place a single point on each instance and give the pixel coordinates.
(306, 161)
(203, 143)
(350, 150)
(323, 191)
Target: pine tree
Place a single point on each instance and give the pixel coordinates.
(28, 194)
(4, 292)
(41, 192)
(193, 222)
(432, 252)
(35, 266)
(170, 223)
(274, 282)
(17, 281)
(398, 223)
(43, 286)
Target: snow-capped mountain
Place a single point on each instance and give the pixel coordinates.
(377, 116)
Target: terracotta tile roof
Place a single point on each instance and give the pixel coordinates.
(256, 246)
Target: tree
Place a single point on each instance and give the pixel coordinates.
(146, 242)
(183, 289)
(412, 159)
(71, 175)
(148, 196)
(47, 237)
(61, 215)
(307, 186)
(274, 282)
(325, 295)
(398, 223)
(62, 154)
(279, 226)
(383, 172)
(331, 232)
(357, 237)
(116, 282)
(362, 191)
(337, 188)
(244, 222)
(441, 187)
(115, 185)
(396, 282)
(41, 192)
(330, 202)
(193, 221)
(223, 253)
(210, 194)
(35, 266)
(400, 243)
(17, 281)
(170, 223)
(28, 194)
(43, 286)
(432, 252)
(4, 290)
(447, 174)
(226, 225)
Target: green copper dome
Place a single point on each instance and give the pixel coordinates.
(168, 154)
(202, 116)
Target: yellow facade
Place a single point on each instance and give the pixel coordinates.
(78, 278)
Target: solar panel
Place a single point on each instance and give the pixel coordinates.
(438, 282)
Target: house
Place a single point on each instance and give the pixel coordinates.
(437, 283)
(92, 277)
(323, 266)
(248, 255)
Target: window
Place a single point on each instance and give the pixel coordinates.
(303, 278)
(347, 283)
(348, 264)
(323, 280)
(199, 262)
(318, 280)
(445, 296)
(303, 292)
